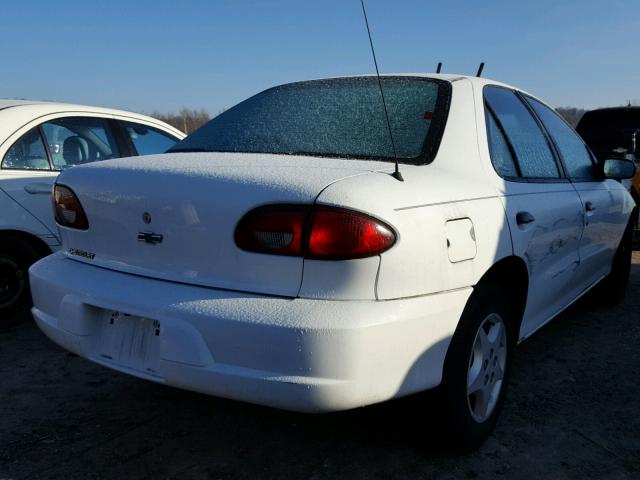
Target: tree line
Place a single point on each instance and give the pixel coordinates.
(187, 120)
(571, 114)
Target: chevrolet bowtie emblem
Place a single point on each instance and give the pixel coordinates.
(150, 237)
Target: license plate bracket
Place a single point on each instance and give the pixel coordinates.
(130, 341)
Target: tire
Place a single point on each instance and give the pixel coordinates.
(16, 256)
(613, 287)
(473, 367)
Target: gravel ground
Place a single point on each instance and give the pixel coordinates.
(571, 412)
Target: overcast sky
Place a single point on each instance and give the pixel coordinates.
(159, 55)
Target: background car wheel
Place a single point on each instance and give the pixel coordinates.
(613, 287)
(16, 257)
(477, 367)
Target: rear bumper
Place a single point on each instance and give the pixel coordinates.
(295, 354)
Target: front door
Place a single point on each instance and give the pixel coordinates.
(604, 216)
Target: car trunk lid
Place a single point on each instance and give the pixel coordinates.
(173, 216)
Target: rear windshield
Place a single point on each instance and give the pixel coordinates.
(341, 117)
(609, 130)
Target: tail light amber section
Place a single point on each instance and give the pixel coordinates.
(67, 209)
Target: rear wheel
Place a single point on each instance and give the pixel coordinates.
(477, 367)
(16, 257)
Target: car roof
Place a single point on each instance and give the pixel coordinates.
(622, 107)
(53, 107)
(34, 109)
(613, 110)
(6, 103)
(479, 82)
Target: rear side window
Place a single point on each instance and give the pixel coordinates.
(575, 156)
(501, 155)
(148, 140)
(533, 153)
(28, 153)
(78, 140)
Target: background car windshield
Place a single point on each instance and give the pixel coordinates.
(336, 117)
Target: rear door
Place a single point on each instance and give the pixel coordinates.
(32, 164)
(27, 176)
(603, 216)
(543, 210)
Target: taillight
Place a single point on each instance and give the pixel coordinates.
(340, 233)
(67, 209)
(274, 229)
(320, 232)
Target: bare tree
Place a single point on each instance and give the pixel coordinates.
(571, 114)
(188, 120)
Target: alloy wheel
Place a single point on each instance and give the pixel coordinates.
(487, 365)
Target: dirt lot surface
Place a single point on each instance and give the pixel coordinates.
(572, 412)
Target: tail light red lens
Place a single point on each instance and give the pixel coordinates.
(67, 209)
(319, 232)
(339, 233)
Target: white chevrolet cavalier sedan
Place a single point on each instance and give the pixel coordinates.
(37, 141)
(273, 257)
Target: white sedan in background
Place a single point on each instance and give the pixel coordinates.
(274, 257)
(37, 141)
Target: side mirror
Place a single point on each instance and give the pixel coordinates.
(619, 169)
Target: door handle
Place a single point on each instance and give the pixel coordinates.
(38, 188)
(524, 218)
(589, 207)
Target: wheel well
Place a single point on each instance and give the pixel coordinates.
(38, 244)
(511, 273)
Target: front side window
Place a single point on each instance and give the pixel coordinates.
(533, 153)
(28, 153)
(78, 140)
(574, 153)
(148, 140)
(342, 117)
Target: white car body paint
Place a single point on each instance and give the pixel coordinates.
(30, 190)
(16, 217)
(297, 354)
(313, 335)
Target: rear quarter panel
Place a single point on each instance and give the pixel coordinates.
(453, 187)
(420, 262)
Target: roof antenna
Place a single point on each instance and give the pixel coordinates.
(480, 68)
(439, 67)
(396, 174)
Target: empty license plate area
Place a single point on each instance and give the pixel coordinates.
(129, 341)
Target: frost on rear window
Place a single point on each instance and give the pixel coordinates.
(336, 117)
